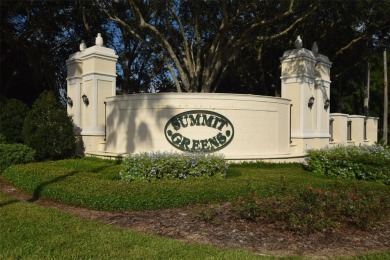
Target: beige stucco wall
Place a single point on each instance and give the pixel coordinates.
(372, 130)
(135, 123)
(339, 128)
(91, 72)
(357, 129)
(305, 75)
(98, 59)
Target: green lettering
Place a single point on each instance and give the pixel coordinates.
(176, 138)
(195, 145)
(182, 123)
(213, 142)
(207, 121)
(194, 121)
(221, 138)
(223, 123)
(184, 143)
(216, 122)
(175, 123)
(205, 145)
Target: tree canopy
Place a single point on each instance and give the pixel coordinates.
(192, 45)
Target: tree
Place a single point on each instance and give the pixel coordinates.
(351, 33)
(198, 40)
(36, 39)
(12, 115)
(49, 130)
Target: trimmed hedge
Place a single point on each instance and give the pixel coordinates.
(352, 162)
(94, 183)
(15, 154)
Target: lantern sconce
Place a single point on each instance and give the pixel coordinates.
(85, 99)
(327, 104)
(311, 102)
(69, 101)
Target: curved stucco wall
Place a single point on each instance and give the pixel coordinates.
(239, 126)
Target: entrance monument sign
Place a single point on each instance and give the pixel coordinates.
(242, 127)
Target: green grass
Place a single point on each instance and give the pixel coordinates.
(94, 183)
(29, 231)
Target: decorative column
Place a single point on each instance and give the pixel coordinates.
(96, 71)
(74, 81)
(322, 96)
(305, 81)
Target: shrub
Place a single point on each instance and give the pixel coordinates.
(2, 139)
(315, 209)
(154, 166)
(49, 130)
(352, 162)
(12, 117)
(15, 154)
(247, 206)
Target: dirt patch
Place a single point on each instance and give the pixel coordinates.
(222, 229)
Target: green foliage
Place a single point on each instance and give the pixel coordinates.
(158, 166)
(49, 130)
(314, 209)
(93, 183)
(3, 140)
(47, 233)
(12, 116)
(352, 162)
(15, 154)
(207, 213)
(246, 206)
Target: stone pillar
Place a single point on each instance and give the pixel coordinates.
(96, 75)
(340, 123)
(74, 83)
(322, 98)
(357, 131)
(371, 130)
(305, 81)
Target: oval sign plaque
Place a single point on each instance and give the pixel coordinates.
(199, 131)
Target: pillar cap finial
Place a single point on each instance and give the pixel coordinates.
(83, 46)
(99, 40)
(298, 42)
(314, 48)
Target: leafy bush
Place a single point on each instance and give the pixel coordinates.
(154, 166)
(3, 140)
(352, 162)
(12, 115)
(246, 206)
(49, 130)
(315, 209)
(15, 154)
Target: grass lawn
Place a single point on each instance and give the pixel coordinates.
(94, 183)
(29, 231)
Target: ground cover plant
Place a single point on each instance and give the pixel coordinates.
(157, 166)
(15, 154)
(352, 162)
(309, 210)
